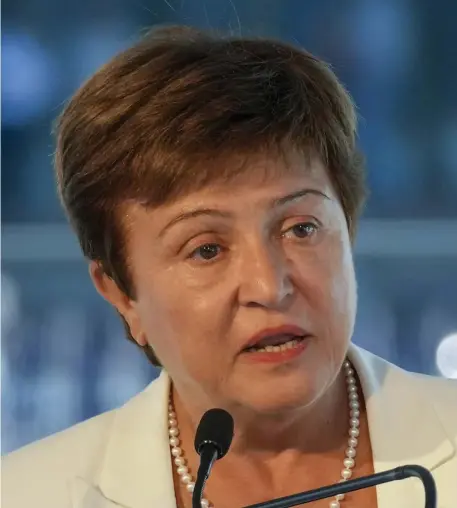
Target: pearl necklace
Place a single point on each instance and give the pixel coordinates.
(348, 462)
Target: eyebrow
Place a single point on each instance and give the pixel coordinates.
(274, 203)
(295, 196)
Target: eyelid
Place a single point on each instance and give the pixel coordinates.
(310, 219)
(315, 219)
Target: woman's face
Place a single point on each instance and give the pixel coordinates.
(218, 266)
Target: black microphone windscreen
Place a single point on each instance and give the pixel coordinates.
(215, 427)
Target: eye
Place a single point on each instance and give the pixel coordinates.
(302, 229)
(206, 252)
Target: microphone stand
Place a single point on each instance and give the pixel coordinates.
(208, 457)
(399, 473)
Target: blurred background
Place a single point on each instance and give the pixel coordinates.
(64, 356)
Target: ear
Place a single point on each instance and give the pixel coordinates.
(111, 292)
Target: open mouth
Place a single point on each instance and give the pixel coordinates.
(276, 344)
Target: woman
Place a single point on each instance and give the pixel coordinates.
(214, 185)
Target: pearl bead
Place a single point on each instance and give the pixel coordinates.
(353, 396)
(349, 372)
(350, 380)
(354, 413)
(348, 463)
(351, 452)
(354, 432)
(354, 422)
(186, 478)
(176, 451)
(171, 414)
(354, 404)
(182, 470)
(352, 389)
(353, 442)
(190, 487)
(339, 497)
(173, 432)
(346, 474)
(334, 504)
(172, 422)
(204, 503)
(174, 441)
(180, 461)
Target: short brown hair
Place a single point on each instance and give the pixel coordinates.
(142, 127)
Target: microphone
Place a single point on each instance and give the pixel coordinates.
(212, 440)
(398, 473)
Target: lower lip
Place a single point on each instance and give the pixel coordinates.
(276, 356)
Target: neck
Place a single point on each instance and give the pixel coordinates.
(319, 428)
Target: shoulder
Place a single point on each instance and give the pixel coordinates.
(42, 470)
(442, 394)
(443, 389)
(75, 439)
(436, 386)
(407, 391)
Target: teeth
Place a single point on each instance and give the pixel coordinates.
(276, 349)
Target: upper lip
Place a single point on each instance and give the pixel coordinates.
(278, 330)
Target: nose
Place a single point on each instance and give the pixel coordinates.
(264, 279)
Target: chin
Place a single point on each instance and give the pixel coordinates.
(276, 386)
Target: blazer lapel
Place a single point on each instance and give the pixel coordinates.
(403, 426)
(85, 495)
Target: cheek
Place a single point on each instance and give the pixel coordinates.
(342, 286)
(180, 323)
(328, 281)
(343, 289)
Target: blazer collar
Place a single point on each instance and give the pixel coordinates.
(138, 467)
(136, 470)
(403, 424)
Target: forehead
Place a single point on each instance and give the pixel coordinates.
(266, 176)
(254, 174)
(268, 166)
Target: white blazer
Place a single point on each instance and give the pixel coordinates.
(121, 458)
